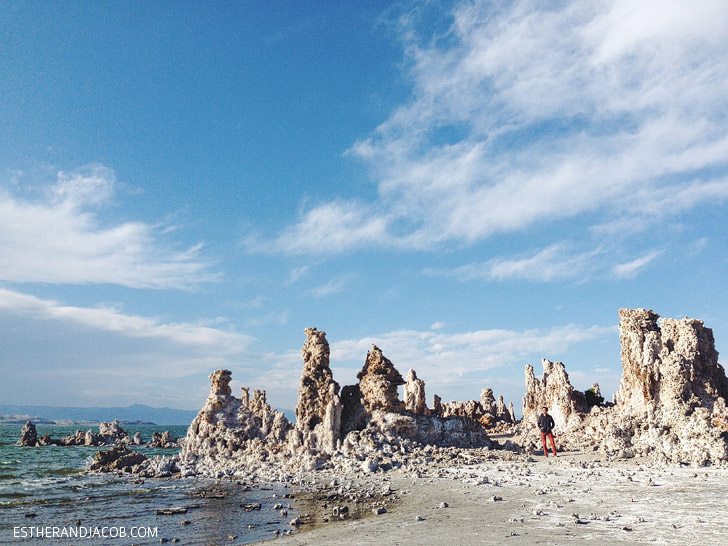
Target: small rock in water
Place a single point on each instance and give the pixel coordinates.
(296, 521)
(185, 522)
(170, 511)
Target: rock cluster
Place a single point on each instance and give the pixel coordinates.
(671, 405)
(110, 433)
(486, 411)
(365, 426)
(117, 459)
(554, 391)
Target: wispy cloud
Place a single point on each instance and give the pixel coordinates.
(111, 319)
(104, 355)
(630, 270)
(555, 263)
(60, 239)
(297, 273)
(525, 113)
(334, 286)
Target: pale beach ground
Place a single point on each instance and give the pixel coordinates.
(625, 502)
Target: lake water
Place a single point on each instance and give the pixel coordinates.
(45, 489)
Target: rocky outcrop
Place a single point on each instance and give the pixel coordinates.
(554, 391)
(315, 391)
(502, 413)
(487, 401)
(229, 432)
(414, 394)
(116, 459)
(671, 405)
(28, 436)
(163, 440)
(233, 436)
(378, 382)
(668, 365)
(110, 433)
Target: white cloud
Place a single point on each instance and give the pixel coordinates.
(104, 356)
(60, 240)
(110, 319)
(297, 273)
(531, 113)
(555, 262)
(630, 270)
(329, 228)
(444, 358)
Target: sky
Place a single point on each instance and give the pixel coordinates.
(472, 186)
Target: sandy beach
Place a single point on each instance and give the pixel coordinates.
(575, 498)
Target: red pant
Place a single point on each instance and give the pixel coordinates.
(553, 444)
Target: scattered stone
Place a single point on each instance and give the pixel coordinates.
(170, 511)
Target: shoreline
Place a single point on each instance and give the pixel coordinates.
(575, 497)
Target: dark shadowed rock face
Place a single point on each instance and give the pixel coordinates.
(117, 458)
(353, 416)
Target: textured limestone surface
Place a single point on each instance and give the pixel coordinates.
(670, 408)
(671, 402)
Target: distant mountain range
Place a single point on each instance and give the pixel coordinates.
(135, 412)
(130, 414)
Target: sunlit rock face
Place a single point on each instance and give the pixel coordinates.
(315, 391)
(554, 391)
(237, 435)
(378, 382)
(670, 405)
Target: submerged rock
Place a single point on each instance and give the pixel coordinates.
(117, 458)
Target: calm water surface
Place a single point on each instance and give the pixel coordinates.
(43, 487)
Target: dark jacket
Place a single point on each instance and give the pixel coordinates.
(545, 423)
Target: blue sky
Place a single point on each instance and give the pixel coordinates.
(472, 186)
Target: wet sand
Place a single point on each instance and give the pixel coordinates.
(575, 498)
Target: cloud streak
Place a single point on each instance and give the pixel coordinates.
(61, 240)
(106, 356)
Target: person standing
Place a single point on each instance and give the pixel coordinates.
(546, 426)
